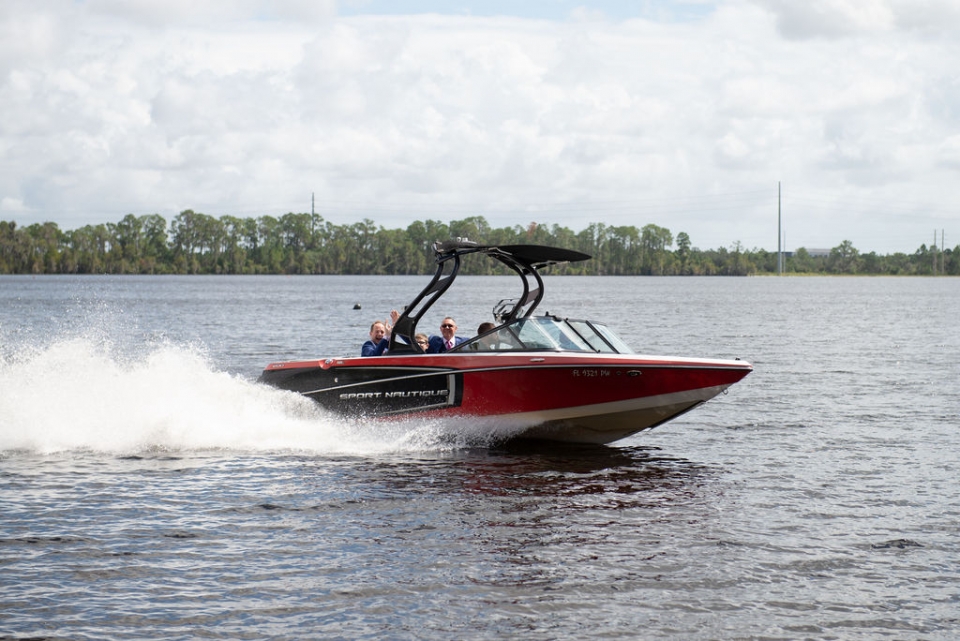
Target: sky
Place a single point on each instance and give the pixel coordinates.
(700, 116)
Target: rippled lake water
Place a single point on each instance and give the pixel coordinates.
(150, 489)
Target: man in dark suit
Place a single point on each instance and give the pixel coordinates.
(379, 337)
(448, 338)
(378, 342)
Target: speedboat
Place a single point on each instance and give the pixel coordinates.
(536, 377)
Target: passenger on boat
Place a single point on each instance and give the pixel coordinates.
(378, 342)
(422, 341)
(379, 337)
(448, 338)
(487, 343)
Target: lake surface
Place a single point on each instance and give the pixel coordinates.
(150, 489)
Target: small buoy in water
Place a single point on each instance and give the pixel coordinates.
(356, 305)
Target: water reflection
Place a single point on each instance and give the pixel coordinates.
(530, 477)
(545, 518)
(556, 471)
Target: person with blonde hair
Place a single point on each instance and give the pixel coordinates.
(423, 341)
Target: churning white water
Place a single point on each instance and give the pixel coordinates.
(83, 394)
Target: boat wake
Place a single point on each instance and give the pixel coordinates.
(83, 394)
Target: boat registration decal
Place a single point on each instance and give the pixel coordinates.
(590, 373)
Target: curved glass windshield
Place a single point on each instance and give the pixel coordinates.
(549, 333)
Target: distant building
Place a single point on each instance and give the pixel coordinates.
(816, 253)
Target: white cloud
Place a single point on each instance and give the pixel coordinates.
(11, 206)
(830, 18)
(841, 18)
(948, 153)
(110, 108)
(207, 14)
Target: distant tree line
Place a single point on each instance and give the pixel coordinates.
(195, 243)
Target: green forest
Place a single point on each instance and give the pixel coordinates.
(195, 243)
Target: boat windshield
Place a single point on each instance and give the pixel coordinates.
(549, 333)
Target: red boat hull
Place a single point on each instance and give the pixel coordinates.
(582, 398)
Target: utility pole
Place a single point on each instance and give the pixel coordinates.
(779, 235)
(934, 252)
